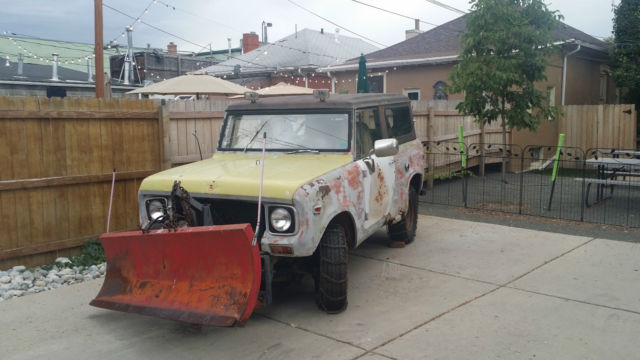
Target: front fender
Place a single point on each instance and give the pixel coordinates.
(317, 203)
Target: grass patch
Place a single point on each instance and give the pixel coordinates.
(92, 254)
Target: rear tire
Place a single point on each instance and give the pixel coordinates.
(331, 281)
(405, 230)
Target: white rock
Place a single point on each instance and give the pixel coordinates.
(19, 268)
(36, 289)
(4, 273)
(17, 279)
(23, 285)
(66, 278)
(5, 279)
(87, 277)
(65, 271)
(28, 275)
(62, 260)
(54, 285)
(15, 293)
(93, 268)
(39, 283)
(78, 276)
(54, 279)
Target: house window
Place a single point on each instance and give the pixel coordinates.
(603, 89)
(551, 95)
(438, 91)
(413, 94)
(376, 84)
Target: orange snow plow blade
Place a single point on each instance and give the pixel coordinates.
(206, 275)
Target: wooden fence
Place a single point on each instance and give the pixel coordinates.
(56, 162)
(194, 129)
(599, 126)
(57, 157)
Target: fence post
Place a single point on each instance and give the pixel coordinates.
(430, 159)
(481, 170)
(164, 119)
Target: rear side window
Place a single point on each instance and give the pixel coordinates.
(399, 123)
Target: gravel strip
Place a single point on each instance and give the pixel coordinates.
(19, 281)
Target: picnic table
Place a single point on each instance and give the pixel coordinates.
(608, 172)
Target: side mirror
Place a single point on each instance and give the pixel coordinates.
(385, 147)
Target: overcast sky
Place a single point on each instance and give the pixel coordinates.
(201, 22)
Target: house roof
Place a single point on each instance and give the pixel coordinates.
(304, 49)
(441, 44)
(37, 72)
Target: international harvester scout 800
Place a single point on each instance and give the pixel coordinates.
(295, 183)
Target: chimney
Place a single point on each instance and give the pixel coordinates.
(250, 42)
(54, 75)
(172, 49)
(413, 32)
(321, 30)
(20, 63)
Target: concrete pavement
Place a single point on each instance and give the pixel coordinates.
(462, 290)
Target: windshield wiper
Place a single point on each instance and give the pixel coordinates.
(254, 136)
(303, 151)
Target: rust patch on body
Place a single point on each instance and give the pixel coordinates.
(324, 190)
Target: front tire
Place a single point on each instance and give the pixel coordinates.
(331, 282)
(405, 230)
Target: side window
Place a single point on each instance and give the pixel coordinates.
(399, 123)
(367, 131)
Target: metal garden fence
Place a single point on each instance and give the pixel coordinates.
(596, 185)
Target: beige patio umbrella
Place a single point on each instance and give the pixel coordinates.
(193, 84)
(281, 89)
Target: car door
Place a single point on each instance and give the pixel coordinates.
(377, 174)
(408, 161)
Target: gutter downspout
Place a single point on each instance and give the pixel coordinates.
(564, 71)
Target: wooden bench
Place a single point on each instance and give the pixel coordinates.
(604, 182)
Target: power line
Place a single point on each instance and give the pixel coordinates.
(445, 6)
(151, 26)
(394, 13)
(196, 15)
(176, 36)
(146, 10)
(338, 25)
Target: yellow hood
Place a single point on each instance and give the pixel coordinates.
(239, 174)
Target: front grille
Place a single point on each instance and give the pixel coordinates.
(225, 212)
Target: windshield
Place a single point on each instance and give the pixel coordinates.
(287, 132)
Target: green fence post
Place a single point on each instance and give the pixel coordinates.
(554, 174)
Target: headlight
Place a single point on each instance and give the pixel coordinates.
(280, 219)
(156, 208)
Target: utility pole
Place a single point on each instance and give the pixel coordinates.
(97, 11)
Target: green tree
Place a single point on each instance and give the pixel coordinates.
(625, 66)
(505, 49)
